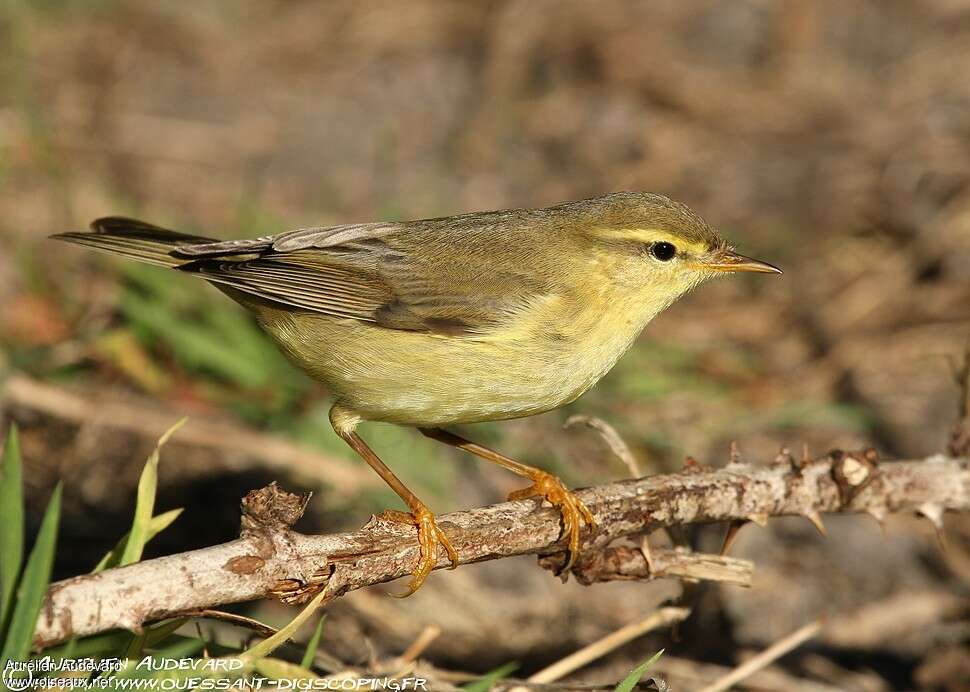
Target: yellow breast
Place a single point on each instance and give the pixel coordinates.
(549, 354)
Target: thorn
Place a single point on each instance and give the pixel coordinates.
(785, 458)
(932, 512)
(305, 502)
(759, 518)
(879, 514)
(935, 514)
(734, 453)
(816, 519)
(647, 555)
(805, 455)
(731, 535)
(691, 465)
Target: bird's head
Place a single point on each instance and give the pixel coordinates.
(656, 248)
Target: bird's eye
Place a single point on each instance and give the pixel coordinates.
(663, 250)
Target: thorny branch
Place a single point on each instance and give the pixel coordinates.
(270, 559)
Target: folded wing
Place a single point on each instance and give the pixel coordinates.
(365, 272)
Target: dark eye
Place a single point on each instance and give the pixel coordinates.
(663, 251)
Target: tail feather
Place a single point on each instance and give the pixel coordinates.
(135, 240)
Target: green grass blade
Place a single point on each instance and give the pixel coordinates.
(484, 683)
(158, 633)
(145, 504)
(11, 522)
(195, 345)
(268, 645)
(312, 645)
(70, 648)
(33, 584)
(630, 681)
(158, 524)
(136, 644)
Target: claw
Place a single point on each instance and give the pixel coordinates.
(731, 535)
(430, 537)
(574, 512)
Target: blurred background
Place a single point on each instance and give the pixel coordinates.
(829, 138)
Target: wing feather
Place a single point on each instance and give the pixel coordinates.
(369, 272)
(327, 290)
(460, 275)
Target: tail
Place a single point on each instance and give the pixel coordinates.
(135, 240)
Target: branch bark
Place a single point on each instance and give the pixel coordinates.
(270, 559)
(630, 563)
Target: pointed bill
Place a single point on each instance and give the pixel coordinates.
(730, 261)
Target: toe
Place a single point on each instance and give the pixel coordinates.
(420, 573)
(426, 561)
(523, 494)
(449, 548)
(430, 537)
(574, 512)
(572, 527)
(587, 515)
(398, 517)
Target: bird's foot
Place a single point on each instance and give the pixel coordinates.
(574, 511)
(430, 537)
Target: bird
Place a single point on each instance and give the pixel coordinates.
(438, 322)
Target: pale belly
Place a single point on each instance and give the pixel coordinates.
(427, 380)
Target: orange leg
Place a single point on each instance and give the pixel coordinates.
(430, 537)
(544, 485)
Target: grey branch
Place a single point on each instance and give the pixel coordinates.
(270, 559)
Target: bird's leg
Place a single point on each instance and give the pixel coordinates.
(430, 536)
(544, 485)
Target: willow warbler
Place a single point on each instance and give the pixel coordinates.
(461, 319)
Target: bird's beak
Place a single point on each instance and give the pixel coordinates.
(730, 261)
